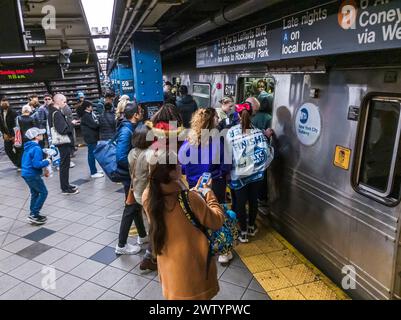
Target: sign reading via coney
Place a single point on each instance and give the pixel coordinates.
(333, 28)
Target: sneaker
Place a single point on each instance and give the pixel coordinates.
(73, 187)
(141, 241)
(97, 175)
(19, 169)
(128, 249)
(243, 237)
(225, 258)
(252, 230)
(37, 219)
(100, 171)
(70, 192)
(148, 265)
(72, 164)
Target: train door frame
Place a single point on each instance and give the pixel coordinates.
(240, 92)
(381, 197)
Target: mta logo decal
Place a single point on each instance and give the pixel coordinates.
(304, 116)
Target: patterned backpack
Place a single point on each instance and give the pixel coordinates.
(221, 241)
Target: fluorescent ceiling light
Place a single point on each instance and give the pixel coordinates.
(101, 44)
(98, 14)
(22, 56)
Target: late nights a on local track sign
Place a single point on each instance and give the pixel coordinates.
(332, 28)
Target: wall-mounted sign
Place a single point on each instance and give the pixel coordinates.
(127, 86)
(332, 28)
(229, 90)
(308, 124)
(11, 74)
(342, 157)
(35, 37)
(353, 113)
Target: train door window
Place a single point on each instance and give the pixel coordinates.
(259, 88)
(201, 93)
(379, 152)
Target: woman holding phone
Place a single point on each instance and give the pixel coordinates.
(182, 276)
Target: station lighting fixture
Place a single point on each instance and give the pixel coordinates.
(98, 15)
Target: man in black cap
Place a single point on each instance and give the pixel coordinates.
(7, 125)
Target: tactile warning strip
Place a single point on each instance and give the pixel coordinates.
(283, 272)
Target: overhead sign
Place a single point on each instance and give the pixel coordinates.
(333, 28)
(15, 73)
(253, 45)
(308, 124)
(342, 157)
(35, 37)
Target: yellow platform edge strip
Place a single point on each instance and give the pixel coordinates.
(340, 294)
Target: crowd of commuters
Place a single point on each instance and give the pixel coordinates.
(158, 159)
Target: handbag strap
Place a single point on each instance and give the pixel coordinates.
(183, 199)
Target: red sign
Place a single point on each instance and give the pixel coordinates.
(17, 73)
(30, 73)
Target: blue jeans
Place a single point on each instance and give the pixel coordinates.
(91, 158)
(38, 193)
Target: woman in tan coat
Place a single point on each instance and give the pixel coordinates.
(181, 248)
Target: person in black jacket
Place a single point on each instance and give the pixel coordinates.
(107, 123)
(90, 133)
(7, 125)
(59, 122)
(186, 106)
(26, 122)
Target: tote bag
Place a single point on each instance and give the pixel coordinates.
(18, 135)
(57, 138)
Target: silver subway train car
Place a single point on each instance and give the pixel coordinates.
(336, 191)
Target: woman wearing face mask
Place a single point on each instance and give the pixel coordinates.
(181, 249)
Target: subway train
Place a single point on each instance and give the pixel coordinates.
(335, 193)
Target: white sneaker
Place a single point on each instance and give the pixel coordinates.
(97, 175)
(243, 238)
(72, 164)
(128, 249)
(141, 241)
(100, 171)
(225, 258)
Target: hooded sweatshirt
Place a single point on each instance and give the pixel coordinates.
(32, 160)
(186, 105)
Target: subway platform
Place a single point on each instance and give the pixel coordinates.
(72, 255)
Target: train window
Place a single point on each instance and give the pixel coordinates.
(260, 88)
(202, 94)
(379, 170)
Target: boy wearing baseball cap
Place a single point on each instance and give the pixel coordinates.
(32, 169)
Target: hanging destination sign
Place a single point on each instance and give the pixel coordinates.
(332, 28)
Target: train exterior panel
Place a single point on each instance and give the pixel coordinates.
(349, 235)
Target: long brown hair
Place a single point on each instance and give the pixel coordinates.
(159, 174)
(201, 119)
(246, 123)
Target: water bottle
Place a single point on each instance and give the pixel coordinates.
(56, 156)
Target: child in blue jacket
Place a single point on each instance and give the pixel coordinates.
(32, 169)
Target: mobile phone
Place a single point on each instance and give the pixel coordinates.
(205, 179)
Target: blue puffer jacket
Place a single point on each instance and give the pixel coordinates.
(32, 160)
(210, 159)
(124, 143)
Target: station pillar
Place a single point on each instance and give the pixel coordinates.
(147, 71)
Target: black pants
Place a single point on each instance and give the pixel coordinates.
(219, 188)
(14, 155)
(131, 214)
(263, 188)
(65, 159)
(247, 194)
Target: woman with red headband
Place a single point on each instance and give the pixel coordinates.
(251, 154)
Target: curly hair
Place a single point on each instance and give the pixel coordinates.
(202, 119)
